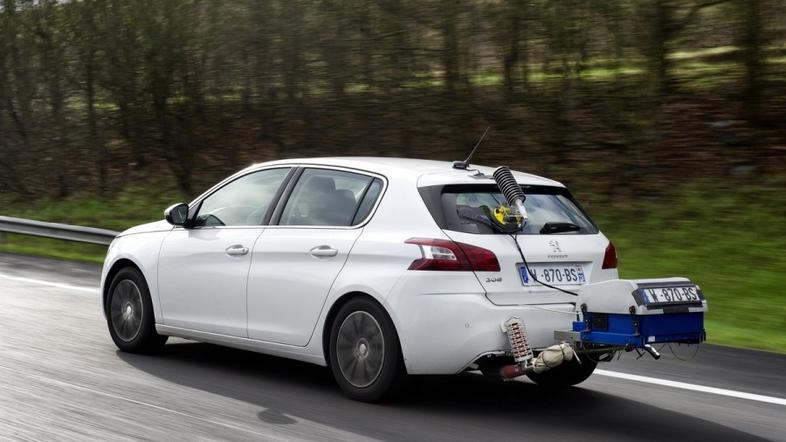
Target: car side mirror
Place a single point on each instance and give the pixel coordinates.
(177, 214)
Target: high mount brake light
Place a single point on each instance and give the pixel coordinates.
(445, 255)
(610, 257)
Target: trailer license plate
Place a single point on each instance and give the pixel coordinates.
(563, 273)
(673, 295)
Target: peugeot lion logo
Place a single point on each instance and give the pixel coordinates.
(557, 250)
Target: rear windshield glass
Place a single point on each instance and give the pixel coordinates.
(550, 210)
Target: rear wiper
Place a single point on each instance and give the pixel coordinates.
(550, 228)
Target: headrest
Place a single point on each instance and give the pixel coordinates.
(321, 184)
(346, 195)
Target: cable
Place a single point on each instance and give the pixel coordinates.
(535, 278)
(552, 310)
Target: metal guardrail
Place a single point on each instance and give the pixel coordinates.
(56, 230)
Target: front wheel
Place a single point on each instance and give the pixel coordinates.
(365, 355)
(566, 374)
(129, 313)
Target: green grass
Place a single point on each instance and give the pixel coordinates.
(135, 205)
(731, 242)
(28, 245)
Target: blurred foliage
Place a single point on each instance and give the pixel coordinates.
(635, 95)
(666, 117)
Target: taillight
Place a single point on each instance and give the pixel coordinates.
(610, 258)
(441, 254)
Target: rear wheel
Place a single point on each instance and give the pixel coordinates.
(129, 313)
(566, 374)
(365, 355)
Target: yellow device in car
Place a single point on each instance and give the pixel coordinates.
(502, 218)
(505, 216)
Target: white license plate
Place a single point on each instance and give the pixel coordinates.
(558, 273)
(657, 296)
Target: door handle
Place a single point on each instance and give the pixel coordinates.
(236, 250)
(323, 252)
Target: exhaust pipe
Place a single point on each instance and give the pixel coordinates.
(512, 371)
(651, 350)
(547, 359)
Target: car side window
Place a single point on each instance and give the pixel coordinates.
(324, 197)
(242, 202)
(372, 194)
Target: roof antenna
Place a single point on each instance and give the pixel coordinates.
(464, 165)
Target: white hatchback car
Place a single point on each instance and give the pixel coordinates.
(378, 268)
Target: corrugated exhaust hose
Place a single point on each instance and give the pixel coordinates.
(508, 185)
(512, 191)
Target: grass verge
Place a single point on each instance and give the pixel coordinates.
(730, 243)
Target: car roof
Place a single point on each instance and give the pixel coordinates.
(424, 172)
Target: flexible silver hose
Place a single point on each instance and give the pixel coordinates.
(511, 190)
(508, 185)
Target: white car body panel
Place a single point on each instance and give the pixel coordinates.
(443, 176)
(282, 309)
(445, 320)
(202, 287)
(139, 245)
(509, 290)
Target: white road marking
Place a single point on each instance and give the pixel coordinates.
(607, 373)
(50, 283)
(693, 387)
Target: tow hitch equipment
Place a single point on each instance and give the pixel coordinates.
(522, 353)
(638, 313)
(519, 348)
(614, 315)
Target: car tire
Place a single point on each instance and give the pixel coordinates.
(129, 313)
(566, 374)
(365, 354)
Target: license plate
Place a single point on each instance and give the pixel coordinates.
(562, 273)
(661, 296)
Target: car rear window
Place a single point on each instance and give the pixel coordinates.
(461, 208)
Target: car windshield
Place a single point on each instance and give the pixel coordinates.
(550, 210)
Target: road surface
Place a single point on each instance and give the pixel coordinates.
(61, 378)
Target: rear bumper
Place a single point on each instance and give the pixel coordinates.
(444, 333)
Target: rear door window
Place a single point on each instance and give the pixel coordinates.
(324, 197)
(550, 210)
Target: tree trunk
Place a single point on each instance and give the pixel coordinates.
(512, 57)
(98, 146)
(291, 49)
(662, 28)
(52, 59)
(752, 60)
(450, 50)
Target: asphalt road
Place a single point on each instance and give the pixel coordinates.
(61, 378)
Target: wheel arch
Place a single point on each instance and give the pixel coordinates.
(117, 266)
(340, 302)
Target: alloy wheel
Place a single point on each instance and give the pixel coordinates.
(360, 349)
